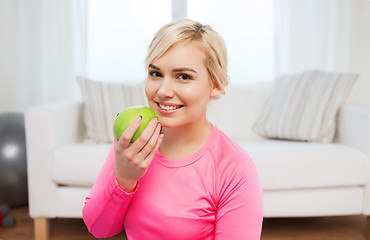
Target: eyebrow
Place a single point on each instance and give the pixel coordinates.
(175, 70)
(153, 66)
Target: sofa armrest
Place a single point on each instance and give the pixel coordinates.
(353, 127)
(55, 124)
(47, 127)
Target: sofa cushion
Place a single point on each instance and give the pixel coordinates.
(280, 164)
(79, 164)
(297, 165)
(304, 106)
(102, 102)
(239, 108)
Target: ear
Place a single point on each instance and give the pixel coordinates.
(215, 92)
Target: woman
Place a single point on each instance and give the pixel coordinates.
(182, 178)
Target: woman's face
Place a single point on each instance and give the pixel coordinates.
(178, 87)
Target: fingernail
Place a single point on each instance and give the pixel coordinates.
(139, 118)
(154, 120)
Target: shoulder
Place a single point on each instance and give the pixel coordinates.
(235, 171)
(228, 155)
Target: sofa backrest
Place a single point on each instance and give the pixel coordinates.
(236, 111)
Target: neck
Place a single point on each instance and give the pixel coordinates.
(183, 141)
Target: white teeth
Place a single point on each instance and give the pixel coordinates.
(168, 108)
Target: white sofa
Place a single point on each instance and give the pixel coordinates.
(299, 179)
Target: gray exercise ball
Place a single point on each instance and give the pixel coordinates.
(13, 160)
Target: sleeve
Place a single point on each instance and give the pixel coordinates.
(106, 205)
(240, 205)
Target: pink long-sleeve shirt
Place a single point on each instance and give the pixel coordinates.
(213, 194)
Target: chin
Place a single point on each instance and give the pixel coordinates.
(166, 123)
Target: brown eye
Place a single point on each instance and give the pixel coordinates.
(184, 77)
(155, 74)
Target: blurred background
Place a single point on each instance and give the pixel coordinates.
(45, 44)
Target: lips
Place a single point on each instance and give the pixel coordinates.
(168, 107)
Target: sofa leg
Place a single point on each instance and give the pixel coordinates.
(42, 229)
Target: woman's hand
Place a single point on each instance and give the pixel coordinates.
(133, 159)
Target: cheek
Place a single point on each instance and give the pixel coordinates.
(198, 95)
(148, 89)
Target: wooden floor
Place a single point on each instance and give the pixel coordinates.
(325, 228)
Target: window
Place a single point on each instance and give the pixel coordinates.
(120, 31)
(247, 29)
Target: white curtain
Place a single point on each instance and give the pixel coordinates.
(44, 45)
(331, 35)
(247, 29)
(8, 56)
(52, 50)
(119, 33)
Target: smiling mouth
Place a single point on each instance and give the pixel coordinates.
(169, 108)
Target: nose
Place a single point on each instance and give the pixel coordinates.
(166, 89)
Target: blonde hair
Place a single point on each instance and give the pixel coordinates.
(203, 37)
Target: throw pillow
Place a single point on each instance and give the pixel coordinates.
(304, 106)
(102, 102)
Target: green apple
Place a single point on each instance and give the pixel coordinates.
(128, 115)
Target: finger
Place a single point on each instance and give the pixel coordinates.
(145, 135)
(126, 136)
(150, 156)
(151, 144)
